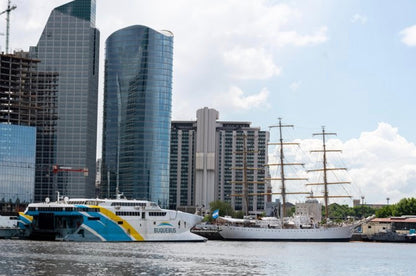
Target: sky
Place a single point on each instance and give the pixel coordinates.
(345, 65)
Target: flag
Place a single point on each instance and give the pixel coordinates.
(216, 213)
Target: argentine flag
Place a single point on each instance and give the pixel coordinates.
(215, 214)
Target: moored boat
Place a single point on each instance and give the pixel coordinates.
(11, 226)
(268, 229)
(306, 224)
(116, 220)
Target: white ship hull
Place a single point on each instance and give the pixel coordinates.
(266, 234)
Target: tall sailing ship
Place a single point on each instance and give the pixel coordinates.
(306, 224)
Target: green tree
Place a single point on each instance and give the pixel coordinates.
(291, 211)
(338, 212)
(385, 211)
(406, 206)
(363, 211)
(341, 212)
(225, 207)
(238, 214)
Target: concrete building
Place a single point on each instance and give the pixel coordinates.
(137, 114)
(27, 98)
(69, 46)
(206, 160)
(399, 225)
(18, 85)
(311, 209)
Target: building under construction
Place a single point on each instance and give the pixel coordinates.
(28, 98)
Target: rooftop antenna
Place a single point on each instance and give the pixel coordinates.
(8, 10)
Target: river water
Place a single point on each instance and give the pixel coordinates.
(18, 257)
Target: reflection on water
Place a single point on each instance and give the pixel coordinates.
(210, 258)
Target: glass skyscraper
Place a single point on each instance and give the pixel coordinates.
(137, 114)
(17, 163)
(69, 46)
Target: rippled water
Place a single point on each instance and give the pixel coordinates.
(210, 258)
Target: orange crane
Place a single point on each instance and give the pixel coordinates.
(57, 168)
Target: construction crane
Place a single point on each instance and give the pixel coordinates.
(57, 168)
(8, 10)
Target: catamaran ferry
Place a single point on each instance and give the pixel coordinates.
(115, 220)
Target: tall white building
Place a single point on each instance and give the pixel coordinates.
(206, 123)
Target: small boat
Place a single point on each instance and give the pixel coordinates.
(11, 226)
(115, 220)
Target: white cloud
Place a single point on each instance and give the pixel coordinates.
(358, 18)
(293, 38)
(383, 163)
(217, 44)
(235, 99)
(380, 163)
(250, 63)
(409, 35)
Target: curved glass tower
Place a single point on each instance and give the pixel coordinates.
(137, 114)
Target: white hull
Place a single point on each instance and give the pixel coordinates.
(114, 220)
(268, 234)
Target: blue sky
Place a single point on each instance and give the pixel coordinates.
(348, 65)
(361, 75)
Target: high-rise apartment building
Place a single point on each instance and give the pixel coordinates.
(207, 157)
(69, 46)
(137, 114)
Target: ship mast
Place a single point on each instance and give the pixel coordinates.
(325, 170)
(245, 182)
(282, 165)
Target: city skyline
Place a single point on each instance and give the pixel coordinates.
(345, 65)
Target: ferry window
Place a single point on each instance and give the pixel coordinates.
(143, 215)
(93, 218)
(120, 222)
(133, 214)
(157, 214)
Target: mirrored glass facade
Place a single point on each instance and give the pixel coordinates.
(17, 163)
(69, 46)
(137, 114)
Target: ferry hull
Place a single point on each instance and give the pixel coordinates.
(110, 221)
